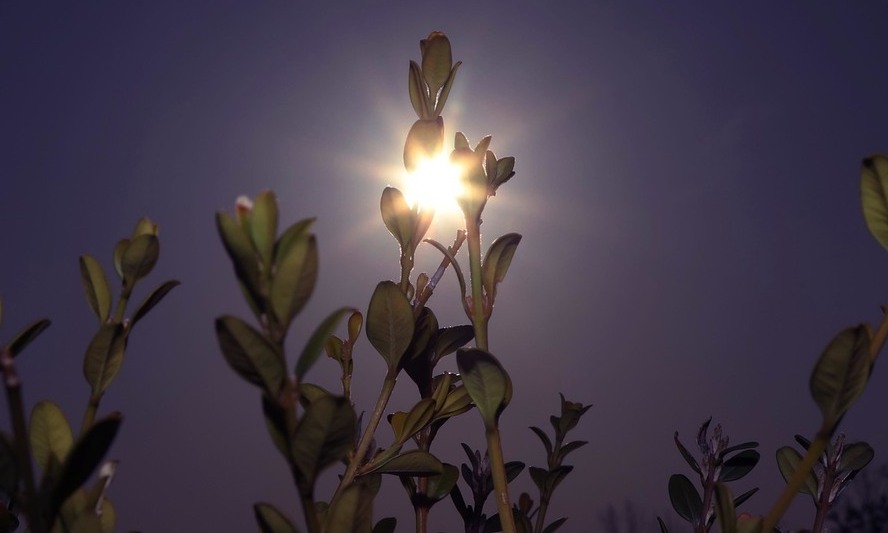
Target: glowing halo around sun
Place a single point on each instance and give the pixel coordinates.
(434, 184)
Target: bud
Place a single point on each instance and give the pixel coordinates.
(437, 60)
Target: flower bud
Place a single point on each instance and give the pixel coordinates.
(437, 60)
(424, 141)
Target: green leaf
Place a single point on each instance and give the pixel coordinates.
(87, 522)
(440, 485)
(419, 93)
(739, 465)
(737, 448)
(569, 447)
(315, 345)
(294, 278)
(84, 457)
(276, 424)
(153, 299)
(445, 91)
(450, 339)
(745, 496)
(263, 225)
(413, 463)
(690, 459)
(104, 356)
(323, 436)
(553, 526)
(244, 258)
(144, 226)
(685, 499)
(271, 520)
(424, 141)
(390, 323)
(547, 443)
(856, 456)
(841, 373)
(26, 336)
(788, 460)
(95, 285)
(386, 525)
(497, 261)
(119, 249)
(874, 196)
(351, 511)
(727, 515)
(436, 60)
(250, 354)
(49, 433)
(139, 258)
(399, 219)
(418, 417)
(457, 402)
(486, 381)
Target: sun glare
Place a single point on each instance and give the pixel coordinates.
(435, 184)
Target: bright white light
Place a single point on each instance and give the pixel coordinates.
(434, 184)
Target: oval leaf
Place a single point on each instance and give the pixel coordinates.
(486, 381)
(389, 323)
(874, 196)
(315, 345)
(250, 354)
(497, 261)
(294, 278)
(323, 436)
(399, 219)
(104, 356)
(856, 456)
(841, 373)
(788, 460)
(413, 463)
(739, 465)
(263, 225)
(84, 457)
(685, 499)
(50, 434)
(95, 285)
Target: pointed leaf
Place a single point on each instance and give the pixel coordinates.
(323, 436)
(745, 496)
(119, 248)
(874, 196)
(315, 344)
(250, 354)
(739, 465)
(413, 463)
(788, 460)
(419, 92)
(294, 278)
(841, 373)
(690, 459)
(95, 285)
(552, 527)
(389, 323)
(49, 434)
(569, 447)
(547, 443)
(104, 356)
(497, 261)
(153, 299)
(440, 485)
(449, 339)
(84, 457)
(26, 336)
(263, 225)
(244, 258)
(685, 499)
(271, 520)
(445, 91)
(486, 381)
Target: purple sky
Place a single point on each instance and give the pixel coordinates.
(687, 188)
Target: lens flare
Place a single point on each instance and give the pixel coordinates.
(435, 184)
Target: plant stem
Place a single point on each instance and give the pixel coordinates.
(308, 509)
(797, 480)
(387, 387)
(13, 386)
(500, 482)
(89, 415)
(478, 316)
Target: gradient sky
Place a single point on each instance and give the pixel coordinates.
(687, 188)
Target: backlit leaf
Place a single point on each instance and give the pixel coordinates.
(271, 520)
(153, 299)
(324, 434)
(295, 275)
(841, 373)
(104, 356)
(95, 285)
(389, 322)
(315, 345)
(788, 460)
(727, 515)
(26, 336)
(263, 225)
(874, 196)
(413, 462)
(486, 381)
(139, 258)
(497, 261)
(250, 354)
(49, 433)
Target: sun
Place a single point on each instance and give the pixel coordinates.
(434, 184)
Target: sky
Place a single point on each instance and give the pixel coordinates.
(686, 187)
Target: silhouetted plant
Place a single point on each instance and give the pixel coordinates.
(864, 507)
(60, 501)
